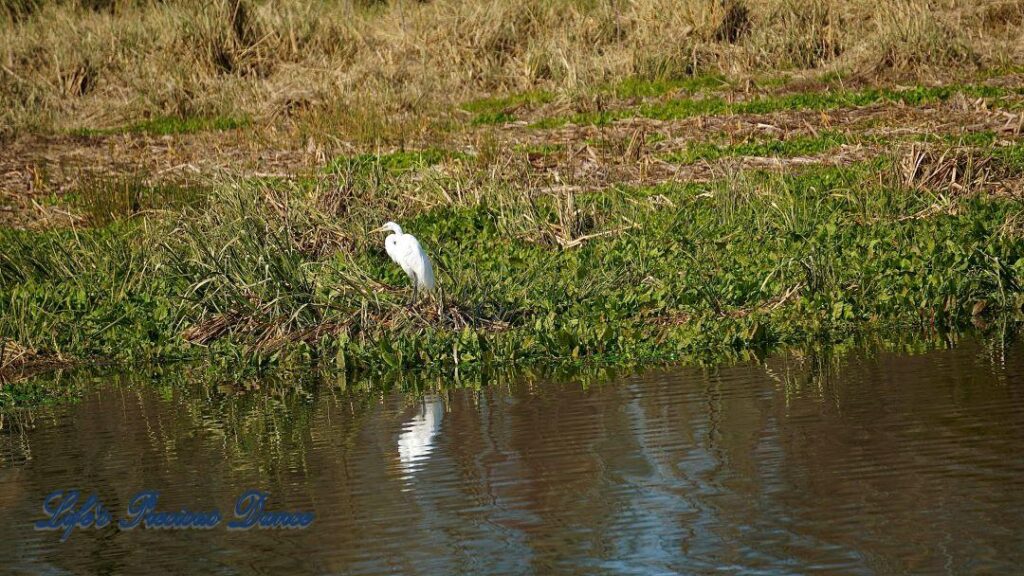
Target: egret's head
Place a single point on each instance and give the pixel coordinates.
(390, 227)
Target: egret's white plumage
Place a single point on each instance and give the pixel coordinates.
(406, 251)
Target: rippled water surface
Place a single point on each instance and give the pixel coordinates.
(866, 464)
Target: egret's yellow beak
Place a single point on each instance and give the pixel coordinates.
(381, 229)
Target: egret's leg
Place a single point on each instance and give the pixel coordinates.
(415, 288)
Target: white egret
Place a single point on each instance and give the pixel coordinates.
(405, 250)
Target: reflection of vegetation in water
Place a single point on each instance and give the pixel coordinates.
(238, 394)
(54, 387)
(814, 371)
(270, 424)
(265, 423)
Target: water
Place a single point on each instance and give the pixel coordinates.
(866, 464)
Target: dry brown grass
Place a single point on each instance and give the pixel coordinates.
(955, 170)
(384, 70)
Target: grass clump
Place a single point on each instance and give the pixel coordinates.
(244, 273)
(813, 35)
(105, 200)
(924, 40)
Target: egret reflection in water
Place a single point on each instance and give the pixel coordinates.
(416, 441)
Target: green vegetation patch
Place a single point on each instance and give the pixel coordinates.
(680, 108)
(788, 148)
(639, 87)
(165, 125)
(393, 163)
(501, 109)
(88, 293)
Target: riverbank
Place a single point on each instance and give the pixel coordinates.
(264, 271)
(648, 217)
